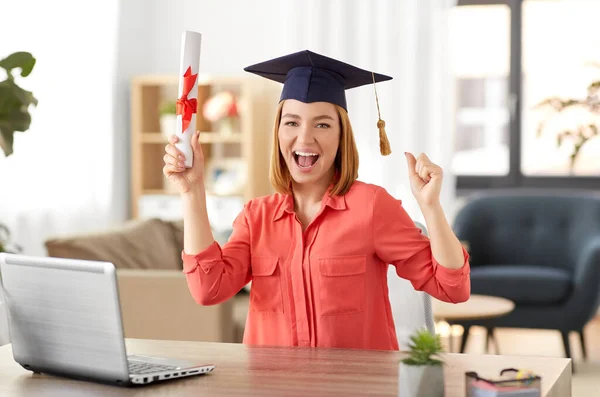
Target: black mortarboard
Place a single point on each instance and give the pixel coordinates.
(311, 77)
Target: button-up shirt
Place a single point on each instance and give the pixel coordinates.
(325, 286)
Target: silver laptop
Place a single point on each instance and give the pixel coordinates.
(64, 319)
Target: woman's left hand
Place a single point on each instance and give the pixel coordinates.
(425, 179)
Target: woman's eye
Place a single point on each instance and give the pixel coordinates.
(323, 125)
(291, 124)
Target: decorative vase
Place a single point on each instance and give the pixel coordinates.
(168, 124)
(420, 380)
(227, 126)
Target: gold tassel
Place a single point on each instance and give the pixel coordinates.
(384, 143)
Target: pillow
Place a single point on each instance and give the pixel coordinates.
(145, 244)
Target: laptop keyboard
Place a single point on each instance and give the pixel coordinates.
(138, 368)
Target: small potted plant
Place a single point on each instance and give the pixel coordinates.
(422, 372)
(168, 118)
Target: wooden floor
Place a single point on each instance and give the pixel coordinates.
(586, 379)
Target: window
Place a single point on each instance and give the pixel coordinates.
(480, 40)
(509, 56)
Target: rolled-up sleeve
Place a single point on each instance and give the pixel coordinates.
(398, 241)
(219, 272)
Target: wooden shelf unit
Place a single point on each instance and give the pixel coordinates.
(249, 143)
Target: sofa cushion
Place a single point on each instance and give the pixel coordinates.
(521, 284)
(177, 231)
(138, 244)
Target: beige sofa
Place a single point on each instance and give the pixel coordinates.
(155, 300)
(143, 244)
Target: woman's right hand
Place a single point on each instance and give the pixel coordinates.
(184, 178)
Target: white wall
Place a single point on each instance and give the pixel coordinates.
(234, 33)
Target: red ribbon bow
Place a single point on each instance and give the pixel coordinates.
(185, 105)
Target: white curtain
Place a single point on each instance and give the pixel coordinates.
(407, 40)
(60, 178)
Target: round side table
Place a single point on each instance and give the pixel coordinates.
(477, 307)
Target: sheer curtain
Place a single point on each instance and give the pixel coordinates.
(407, 40)
(60, 177)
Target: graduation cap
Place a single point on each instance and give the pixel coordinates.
(311, 77)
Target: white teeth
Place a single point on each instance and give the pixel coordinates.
(305, 153)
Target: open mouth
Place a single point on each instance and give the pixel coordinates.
(305, 159)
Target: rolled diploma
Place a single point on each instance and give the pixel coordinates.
(190, 58)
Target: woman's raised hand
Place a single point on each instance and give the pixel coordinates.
(184, 178)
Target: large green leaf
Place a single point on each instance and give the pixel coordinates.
(14, 100)
(20, 119)
(6, 139)
(6, 99)
(12, 90)
(23, 60)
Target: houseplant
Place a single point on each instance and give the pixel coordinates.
(168, 118)
(14, 100)
(422, 372)
(14, 114)
(579, 135)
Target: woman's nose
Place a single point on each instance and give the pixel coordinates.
(306, 134)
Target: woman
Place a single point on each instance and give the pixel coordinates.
(317, 251)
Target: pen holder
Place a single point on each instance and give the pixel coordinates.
(514, 383)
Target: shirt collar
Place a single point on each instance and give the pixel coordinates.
(287, 203)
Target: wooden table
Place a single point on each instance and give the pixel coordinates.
(476, 308)
(262, 371)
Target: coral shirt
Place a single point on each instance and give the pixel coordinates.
(326, 286)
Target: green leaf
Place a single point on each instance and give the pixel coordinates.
(423, 347)
(6, 140)
(20, 120)
(23, 60)
(14, 100)
(9, 90)
(559, 104)
(168, 108)
(594, 85)
(6, 96)
(25, 97)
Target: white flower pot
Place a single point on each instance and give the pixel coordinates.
(420, 380)
(168, 124)
(4, 332)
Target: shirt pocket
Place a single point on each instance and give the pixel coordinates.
(342, 288)
(265, 292)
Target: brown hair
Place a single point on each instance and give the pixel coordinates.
(346, 160)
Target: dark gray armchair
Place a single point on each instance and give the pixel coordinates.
(539, 249)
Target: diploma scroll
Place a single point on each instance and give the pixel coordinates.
(187, 97)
